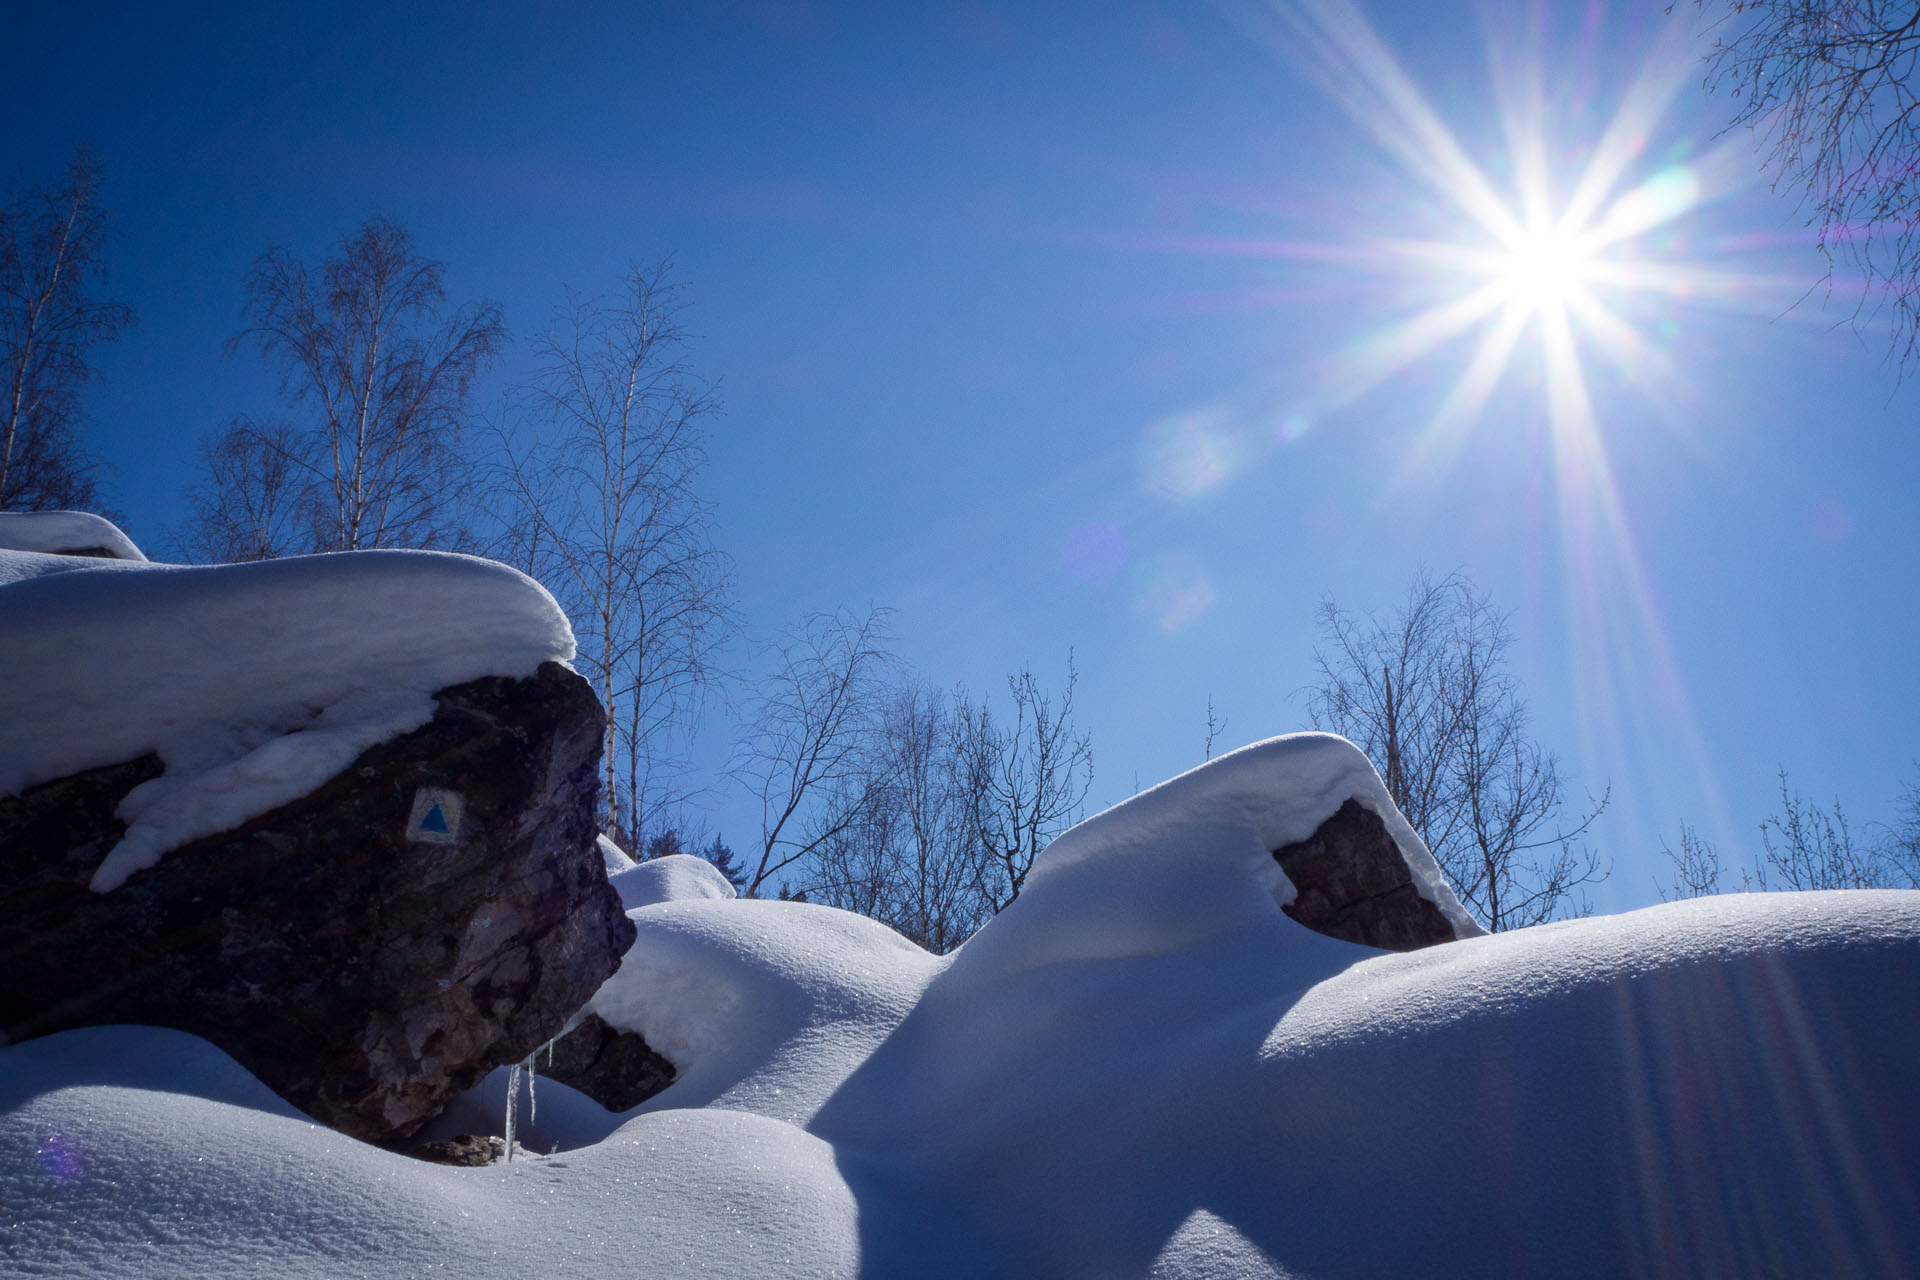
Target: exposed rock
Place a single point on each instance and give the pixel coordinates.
(1351, 882)
(437, 909)
(617, 1069)
(469, 1150)
(51, 837)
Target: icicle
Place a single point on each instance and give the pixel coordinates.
(527, 1067)
(513, 1097)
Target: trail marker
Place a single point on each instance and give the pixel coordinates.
(436, 816)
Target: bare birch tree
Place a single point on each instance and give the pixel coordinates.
(1803, 846)
(377, 371)
(605, 509)
(807, 756)
(1026, 779)
(251, 502)
(51, 239)
(1427, 695)
(909, 858)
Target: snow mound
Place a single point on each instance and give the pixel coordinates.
(134, 1151)
(613, 857)
(1192, 857)
(64, 533)
(254, 683)
(676, 877)
(761, 1005)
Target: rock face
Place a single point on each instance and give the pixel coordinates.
(617, 1069)
(1352, 883)
(435, 910)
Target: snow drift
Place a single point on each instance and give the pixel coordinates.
(1141, 1068)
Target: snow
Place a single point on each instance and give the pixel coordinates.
(1142, 1067)
(1185, 860)
(763, 1005)
(64, 531)
(254, 683)
(676, 876)
(613, 857)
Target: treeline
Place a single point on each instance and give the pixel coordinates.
(1803, 846)
(921, 806)
(877, 790)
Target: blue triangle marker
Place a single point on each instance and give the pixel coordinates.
(434, 821)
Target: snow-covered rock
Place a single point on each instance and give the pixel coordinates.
(614, 1064)
(65, 533)
(335, 814)
(253, 683)
(370, 949)
(613, 857)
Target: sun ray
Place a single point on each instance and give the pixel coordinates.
(1625, 139)
(1367, 363)
(1439, 443)
(1342, 52)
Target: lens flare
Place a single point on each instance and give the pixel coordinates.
(62, 1160)
(1190, 455)
(1174, 592)
(1095, 552)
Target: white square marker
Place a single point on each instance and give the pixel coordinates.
(436, 816)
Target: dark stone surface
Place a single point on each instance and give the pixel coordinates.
(52, 837)
(365, 976)
(617, 1069)
(469, 1150)
(1352, 883)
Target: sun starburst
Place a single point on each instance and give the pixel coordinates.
(1562, 256)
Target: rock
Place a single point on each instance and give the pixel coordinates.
(469, 1150)
(368, 951)
(617, 1069)
(1351, 882)
(52, 836)
(66, 533)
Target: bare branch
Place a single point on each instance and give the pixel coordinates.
(1026, 781)
(806, 756)
(1826, 85)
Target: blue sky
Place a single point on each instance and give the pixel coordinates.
(1045, 330)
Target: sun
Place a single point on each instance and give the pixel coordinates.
(1563, 251)
(1545, 267)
